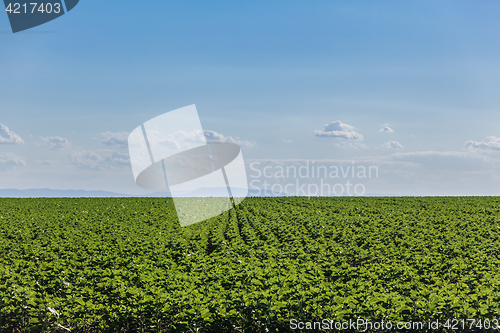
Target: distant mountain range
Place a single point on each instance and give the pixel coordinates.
(203, 192)
(49, 193)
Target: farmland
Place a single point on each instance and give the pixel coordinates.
(125, 264)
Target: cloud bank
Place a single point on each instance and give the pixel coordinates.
(11, 159)
(99, 160)
(119, 139)
(392, 145)
(53, 142)
(493, 144)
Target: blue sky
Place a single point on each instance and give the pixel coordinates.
(267, 75)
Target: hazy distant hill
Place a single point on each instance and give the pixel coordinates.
(203, 192)
(48, 193)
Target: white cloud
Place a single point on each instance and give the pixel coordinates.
(9, 137)
(493, 144)
(53, 142)
(102, 159)
(11, 159)
(212, 136)
(287, 141)
(392, 145)
(337, 129)
(119, 139)
(386, 129)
